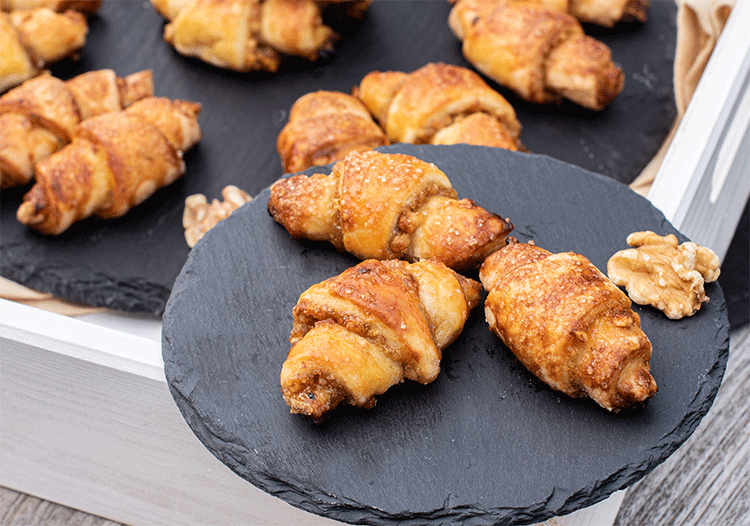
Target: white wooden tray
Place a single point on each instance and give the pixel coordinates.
(86, 418)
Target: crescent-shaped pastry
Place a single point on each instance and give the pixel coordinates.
(386, 206)
(541, 54)
(359, 333)
(29, 40)
(251, 35)
(323, 127)
(440, 104)
(114, 162)
(39, 117)
(568, 324)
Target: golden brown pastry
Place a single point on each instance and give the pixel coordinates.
(115, 161)
(541, 54)
(248, 35)
(38, 117)
(480, 129)
(606, 13)
(388, 206)
(29, 40)
(82, 6)
(440, 104)
(323, 127)
(609, 12)
(367, 329)
(568, 324)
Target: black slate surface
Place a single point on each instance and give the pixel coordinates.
(130, 263)
(486, 443)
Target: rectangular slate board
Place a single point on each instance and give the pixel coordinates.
(130, 263)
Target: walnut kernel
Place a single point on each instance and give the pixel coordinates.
(660, 272)
(200, 216)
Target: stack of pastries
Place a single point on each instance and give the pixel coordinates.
(436, 104)
(39, 117)
(98, 145)
(386, 320)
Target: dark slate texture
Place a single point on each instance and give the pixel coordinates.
(486, 443)
(130, 264)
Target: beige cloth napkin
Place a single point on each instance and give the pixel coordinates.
(699, 23)
(11, 290)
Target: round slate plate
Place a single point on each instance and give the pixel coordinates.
(130, 264)
(486, 443)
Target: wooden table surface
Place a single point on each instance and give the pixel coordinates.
(705, 482)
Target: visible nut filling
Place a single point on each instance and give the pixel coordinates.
(659, 271)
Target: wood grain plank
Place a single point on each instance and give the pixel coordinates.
(19, 509)
(705, 481)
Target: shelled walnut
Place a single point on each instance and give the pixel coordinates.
(200, 216)
(660, 272)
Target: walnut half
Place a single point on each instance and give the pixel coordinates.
(200, 216)
(660, 272)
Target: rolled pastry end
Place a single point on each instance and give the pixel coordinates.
(36, 212)
(634, 386)
(32, 211)
(330, 365)
(581, 70)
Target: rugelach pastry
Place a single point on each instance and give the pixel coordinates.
(323, 127)
(249, 35)
(114, 162)
(440, 104)
(39, 117)
(604, 13)
(359, 333)
(388, 206)
(29, 40)
(86, 7)
(568, 324)
(541, 54)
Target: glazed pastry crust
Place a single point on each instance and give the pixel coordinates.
(415, 107)
(607, 13)
(323, 127)
(39, 117)
(387, 206)
(568, 324)
(479, 129)
(374, 325)
(220, 33)
(115, 161)
(82, 6)
(250, 35)
(604, 13)
(541, 54)
(29, 40)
